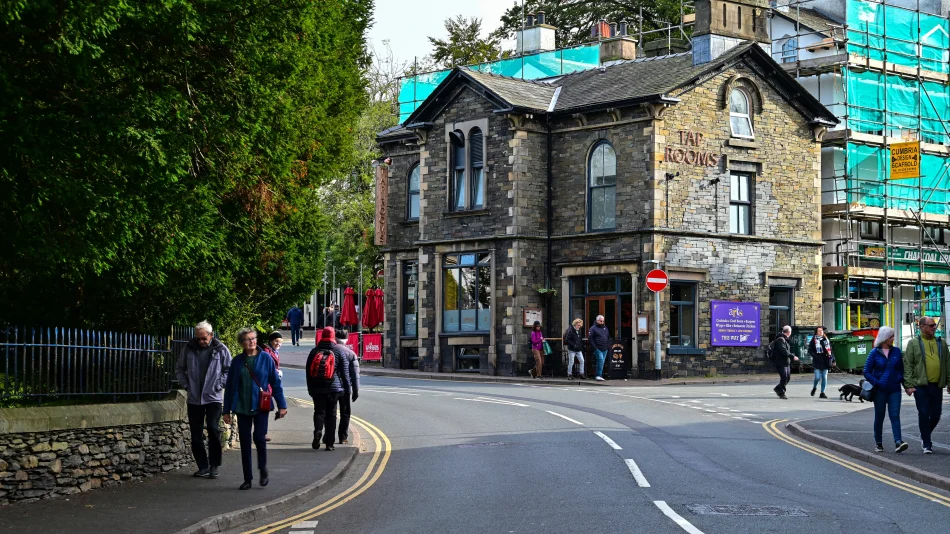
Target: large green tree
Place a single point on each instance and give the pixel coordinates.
(161, 162)
(464, 45)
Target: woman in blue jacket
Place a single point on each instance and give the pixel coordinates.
(884, 369)
(251, 372)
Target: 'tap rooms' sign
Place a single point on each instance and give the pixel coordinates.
(735, 324)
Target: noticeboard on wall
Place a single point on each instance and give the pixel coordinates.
(531, 315)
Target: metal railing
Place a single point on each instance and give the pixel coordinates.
(58, 364)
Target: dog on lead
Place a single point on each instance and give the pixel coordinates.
(849, 391)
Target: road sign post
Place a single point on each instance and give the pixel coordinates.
(657, 280)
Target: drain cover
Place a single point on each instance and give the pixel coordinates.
(746, 509)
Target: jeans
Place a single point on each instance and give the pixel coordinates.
(822, 376)
(295, 332)
(784, 375)
(892, 403)
(344, 431)
(571, 355)
(198, 416)
(601, 356)
(258, 422)
(538, 361)
(324, 417)
(928, 399)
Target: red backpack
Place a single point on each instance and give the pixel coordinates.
(323, 365)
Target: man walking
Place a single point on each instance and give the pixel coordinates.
(599, 337)
(926, 373)
(325, 390)
(202, 369)
(295, 317)
(353, 392)
(574, 341)
(782, 357)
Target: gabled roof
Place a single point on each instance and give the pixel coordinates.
(619, 83)
(810, 19)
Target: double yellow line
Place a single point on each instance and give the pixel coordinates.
(369, 477)
(772, 428)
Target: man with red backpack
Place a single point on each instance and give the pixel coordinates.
(328, 376)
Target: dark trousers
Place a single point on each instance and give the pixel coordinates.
(295, 332)
(324, 417)
(198, 416)
(784, 375)
(344, 431)
(258, 425)
(928, 399)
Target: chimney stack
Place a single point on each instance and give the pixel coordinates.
(540, 18)
(623, 28)
(536, 35)
(614, 42)
(724, 24)
(529, 20)
(613, 29)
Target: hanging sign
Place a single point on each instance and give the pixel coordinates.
(372, 347)
(905, 160)
(382, 205)
(735, 324)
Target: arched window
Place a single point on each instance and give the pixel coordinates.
(602, 188)
(412, 189)
(790, 50)
(476, 153)
(740, 115)
(457, 187)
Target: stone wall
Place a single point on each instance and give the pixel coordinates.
(75, 449)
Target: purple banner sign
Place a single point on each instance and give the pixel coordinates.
(736, 324)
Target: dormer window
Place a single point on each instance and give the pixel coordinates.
(740, 116)
(467, 170)
(458, 189)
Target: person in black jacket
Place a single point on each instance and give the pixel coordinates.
(782, 359)
(599, 337)
(354, 386)
(574, 341)
(820, 350)
(324, 392)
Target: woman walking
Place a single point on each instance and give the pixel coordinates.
(274, 341)
(537, 349)
(820, 350)
(250, 372)
(884, 369)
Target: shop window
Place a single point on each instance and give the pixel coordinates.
(602, 285)
(602, 188)
(790, 50)
(740, 114)
(682, 315)
(866, 303)
(476, 156)
(740, 204)
(469, 358)
(457, 189)
(780, 309)
(410, 282)
(466, 292)
(412, 194)
(871, 230)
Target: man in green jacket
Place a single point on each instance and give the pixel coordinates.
(926, 373)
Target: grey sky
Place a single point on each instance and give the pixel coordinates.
(406, 24)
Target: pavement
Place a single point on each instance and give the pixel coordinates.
(852, 434)
(178, 502)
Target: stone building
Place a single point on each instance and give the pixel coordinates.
(508, 200)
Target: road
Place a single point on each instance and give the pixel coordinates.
(466, 457)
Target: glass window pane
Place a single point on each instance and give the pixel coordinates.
(780, 297)
(745, 219)
(738, 102)
(610, 207)
(484, 287)
(451, 259)
(734, 187)
(597, 164)
(688, 328)
(409, 324)
(602, 285)
(467, 289)
(451, 321)
(674, 325)
(680, 292)
(733, 219)
(741, 126)
(414, 179)
(460, 189)
(610, 160)
(597, 208)
(467, 259)
(414, 206)
(478, 193)
(484, 258)
(450, 300)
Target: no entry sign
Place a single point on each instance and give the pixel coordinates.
(657, 280)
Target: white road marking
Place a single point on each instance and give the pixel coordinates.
(301, 531)
(684, 524)
(492, 402)
(674, 396)
(306, 524)
(575, 421)
(723, 394)
(502, 401)
(695, 401)
(637, 475)
(612, 443)
(749, 414)
(712, 411)
(393, 392)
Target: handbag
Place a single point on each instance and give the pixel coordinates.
(547, 348)
(265, 396)
(867, 391)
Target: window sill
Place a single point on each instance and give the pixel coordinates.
(465, 213)
(691, 351)
(742, 143)
(410, 222)
(602, 230)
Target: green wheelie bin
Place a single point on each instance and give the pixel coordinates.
(851, 351)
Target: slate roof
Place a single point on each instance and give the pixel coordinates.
(519, 93)
(810, 19)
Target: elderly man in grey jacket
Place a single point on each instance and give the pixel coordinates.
(203, 371)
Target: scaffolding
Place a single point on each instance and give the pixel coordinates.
(883, 70)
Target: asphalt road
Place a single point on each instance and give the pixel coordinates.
(469, 457)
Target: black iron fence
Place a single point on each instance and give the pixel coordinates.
(49, 364)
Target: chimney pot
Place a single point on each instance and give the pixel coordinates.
(623, 28)
(540, 17)
(529, 23)
(613, 29)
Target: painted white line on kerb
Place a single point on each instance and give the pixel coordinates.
(609, 441)
(684, 524)
(566, 418)
(637, 475)
(306, 524)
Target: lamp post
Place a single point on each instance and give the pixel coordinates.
(657, 363)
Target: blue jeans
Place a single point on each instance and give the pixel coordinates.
(892, 403)
(259, 424)
(928, 399)
(601, 356)
(822, 376)
(295, 332)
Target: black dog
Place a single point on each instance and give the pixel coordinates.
(850, 390)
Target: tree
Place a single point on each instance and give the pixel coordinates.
(465, 45)
(575, 18)
(160, 162)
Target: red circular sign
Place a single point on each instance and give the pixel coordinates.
(657, 280)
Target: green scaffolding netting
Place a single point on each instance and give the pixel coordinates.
(909, 104)
(413, 90)
(868, 180)
(910, 38)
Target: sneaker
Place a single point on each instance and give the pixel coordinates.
(531, 372)
(265, 480)
(599, 378)
(879, 447)
(813, 391)
(213, 472)
(822, 396)
(900, 447)
(316, 441)
(777, 392)
(246, 485)
(202, 473)
(330, 447)
(928, 450)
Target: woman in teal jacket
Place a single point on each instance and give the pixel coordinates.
(250, 372)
